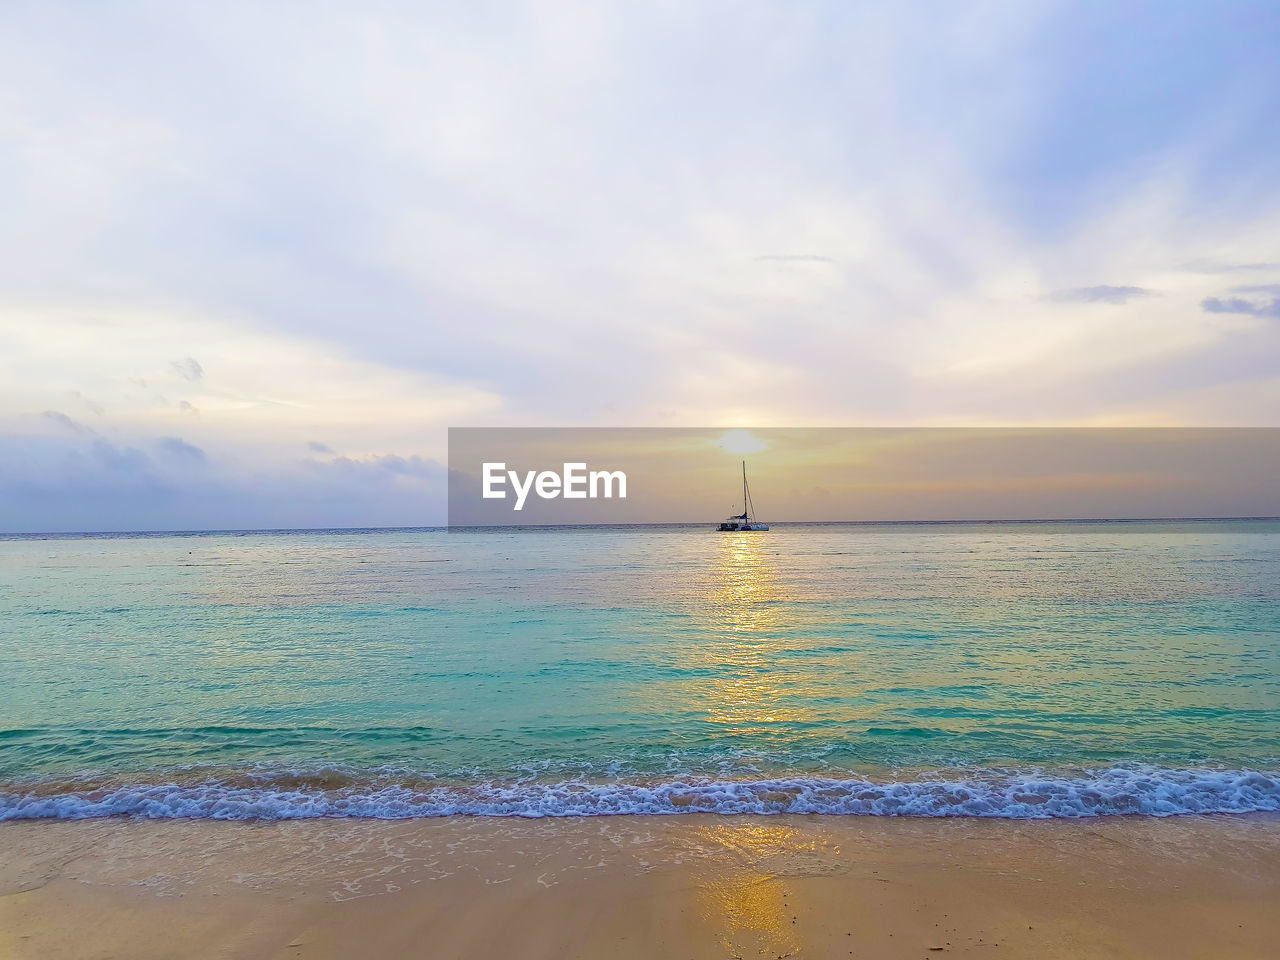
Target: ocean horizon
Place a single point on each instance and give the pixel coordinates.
(657, 524)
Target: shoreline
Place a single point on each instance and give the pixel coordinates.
(335, 793)
(299, 793)
(697, 885)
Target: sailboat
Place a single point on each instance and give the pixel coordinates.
(743, 522)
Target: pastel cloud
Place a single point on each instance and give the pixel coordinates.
(1103, 293)
(1248, 307)
(179, 449)
(188, 368)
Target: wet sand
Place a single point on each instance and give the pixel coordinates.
(644, 887)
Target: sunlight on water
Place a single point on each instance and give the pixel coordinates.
(743, 640)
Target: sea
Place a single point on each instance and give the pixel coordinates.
(1015, 670)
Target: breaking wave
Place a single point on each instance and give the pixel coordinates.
(999, 794)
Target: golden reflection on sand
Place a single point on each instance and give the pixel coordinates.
(752, 907)
(750, 915)
(768, 847)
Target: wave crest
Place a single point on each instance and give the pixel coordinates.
(1116, 791)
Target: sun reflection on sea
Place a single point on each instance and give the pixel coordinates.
(744, 591)
(744, 600)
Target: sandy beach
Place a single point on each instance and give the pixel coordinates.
(691, 886)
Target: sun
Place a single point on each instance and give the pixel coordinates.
(740, 441)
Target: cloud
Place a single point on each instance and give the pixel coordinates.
(188, 368)
(187, 407)
(316, 446)
(92, 405)
(796, 258)
(1103, 293)
(391, 465)
(55, 482)
(408, 466)
(64, 421)
(51, 487)
(128, 460)
(1252, 308)
(179, 449)
(1217, 266)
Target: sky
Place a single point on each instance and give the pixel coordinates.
(256, 259)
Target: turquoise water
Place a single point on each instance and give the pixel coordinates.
(992, 670)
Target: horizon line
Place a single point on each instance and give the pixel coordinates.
(197, 531)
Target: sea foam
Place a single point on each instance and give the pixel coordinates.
(1026, 795)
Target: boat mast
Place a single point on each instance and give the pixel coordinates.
(744, 489)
